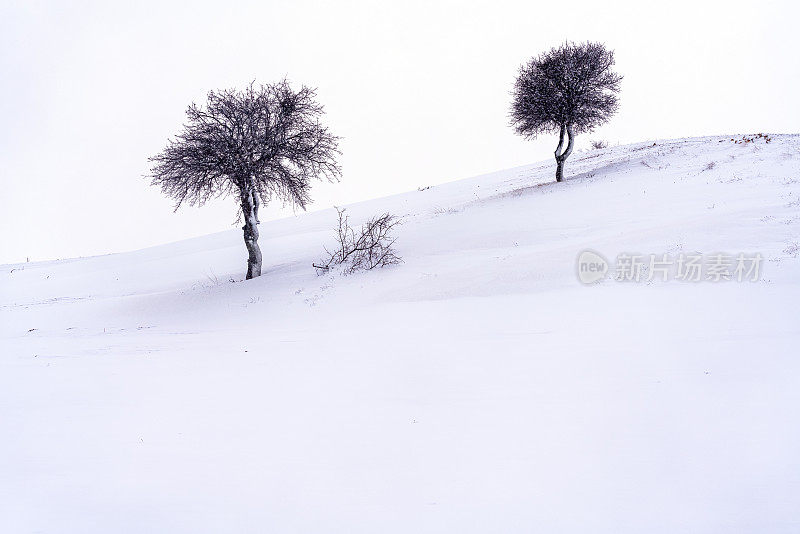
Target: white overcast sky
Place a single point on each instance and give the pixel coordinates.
(418, 90)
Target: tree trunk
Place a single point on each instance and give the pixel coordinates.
(251, 235)
(561, 157)
(559, 170)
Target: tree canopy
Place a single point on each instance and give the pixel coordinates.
(265, 140)
(571, 85)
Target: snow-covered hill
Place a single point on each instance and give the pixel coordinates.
(477, 387)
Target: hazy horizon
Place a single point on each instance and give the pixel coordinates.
(419, 92)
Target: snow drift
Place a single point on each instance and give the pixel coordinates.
(477, 387)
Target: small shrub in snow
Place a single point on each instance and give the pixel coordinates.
(367, 248)
(597, 145)
(752, 138)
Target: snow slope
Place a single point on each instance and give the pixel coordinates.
(477, 387)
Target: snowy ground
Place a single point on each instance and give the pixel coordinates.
(478, 387)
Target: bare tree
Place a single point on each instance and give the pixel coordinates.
(370, 247)
(570, 89)
(260, 143)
